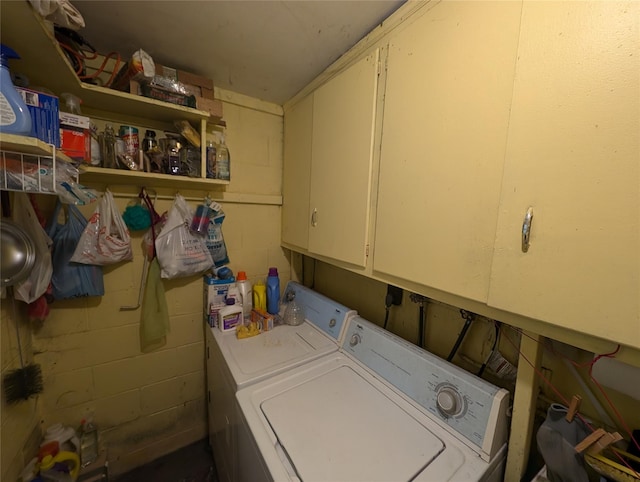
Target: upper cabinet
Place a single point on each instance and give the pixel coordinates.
(446, 114)
(298, 125)
(328, 165)
(572, 161)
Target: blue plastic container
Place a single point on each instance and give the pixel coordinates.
(273, 292)
(16, 118)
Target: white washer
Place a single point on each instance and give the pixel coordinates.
(380, 409)
(234, 363)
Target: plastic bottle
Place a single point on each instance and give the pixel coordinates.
(230, 316)
(260, 296)
(88, 442)
(14, 114)
(273, 292)
(223, 160)
(244, 286)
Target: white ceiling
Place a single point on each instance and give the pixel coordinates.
(265, 49)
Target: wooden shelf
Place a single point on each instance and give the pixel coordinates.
(30, 145)
(45, 64)
(122, 177)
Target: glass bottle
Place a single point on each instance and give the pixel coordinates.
(172, 156)
(223, 160)
(88, 442)
(152, 151)
(211, 157)
(109, 147)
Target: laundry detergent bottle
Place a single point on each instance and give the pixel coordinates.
(273, 292)
(14, 115)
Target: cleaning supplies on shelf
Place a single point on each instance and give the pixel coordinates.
(15, 118)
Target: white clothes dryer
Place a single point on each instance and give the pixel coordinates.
(380, 409)
(234, 363)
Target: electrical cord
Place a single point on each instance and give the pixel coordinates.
(388, 301)
(493, 348)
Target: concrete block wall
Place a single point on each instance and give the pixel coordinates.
(150, 404)
(20, 430)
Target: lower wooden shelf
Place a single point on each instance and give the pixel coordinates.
(122, 177)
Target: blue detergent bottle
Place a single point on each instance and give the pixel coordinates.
(273, 292)
(14, 115)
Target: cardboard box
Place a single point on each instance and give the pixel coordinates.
(212, 106)
(214, 296)
(195, 84)
(44, 110)
(75, 136)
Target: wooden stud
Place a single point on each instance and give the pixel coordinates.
(576, 400)
(590, 440)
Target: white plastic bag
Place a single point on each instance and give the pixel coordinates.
(181, 252)
(36, 284)
(106, 239)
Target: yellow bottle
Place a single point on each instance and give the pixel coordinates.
(260, 296)
(69, 458)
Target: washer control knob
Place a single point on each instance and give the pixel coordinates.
(449, 401)
(355, 339)
(332, 322)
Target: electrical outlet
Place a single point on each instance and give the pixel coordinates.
(395, 294)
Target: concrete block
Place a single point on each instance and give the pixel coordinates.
(190, 358)
(186, 329)
(108, 412)
(161, 396)
(123, 461)
(67, 389)
(135, 372)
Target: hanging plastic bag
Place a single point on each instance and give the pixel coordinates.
(71, 280)
(180, 252)
(214, 240)
(106, 239)
(36, 284)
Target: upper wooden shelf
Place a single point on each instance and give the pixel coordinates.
(46, 66)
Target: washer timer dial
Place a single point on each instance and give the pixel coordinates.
(449, 401)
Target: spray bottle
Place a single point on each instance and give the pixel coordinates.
(14, 115)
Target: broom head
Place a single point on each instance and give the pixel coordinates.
(22, 383)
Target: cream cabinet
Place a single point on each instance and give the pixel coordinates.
(328, 165)
(448, 93)
(298, 124)
(572, 161)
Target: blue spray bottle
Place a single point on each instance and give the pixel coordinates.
(14, 115)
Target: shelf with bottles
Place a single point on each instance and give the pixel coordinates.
(30, 165)
(46, 65)
(191, 160)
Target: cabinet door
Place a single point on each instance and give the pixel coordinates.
(296, 173)
(573, 156)
(342, 151)
(448, 91)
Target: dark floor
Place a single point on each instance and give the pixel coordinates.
(193, 463)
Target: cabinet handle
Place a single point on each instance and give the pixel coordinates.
(314, 217)
(526, 229)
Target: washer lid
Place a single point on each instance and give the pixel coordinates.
(283, 346)
(370, 438)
